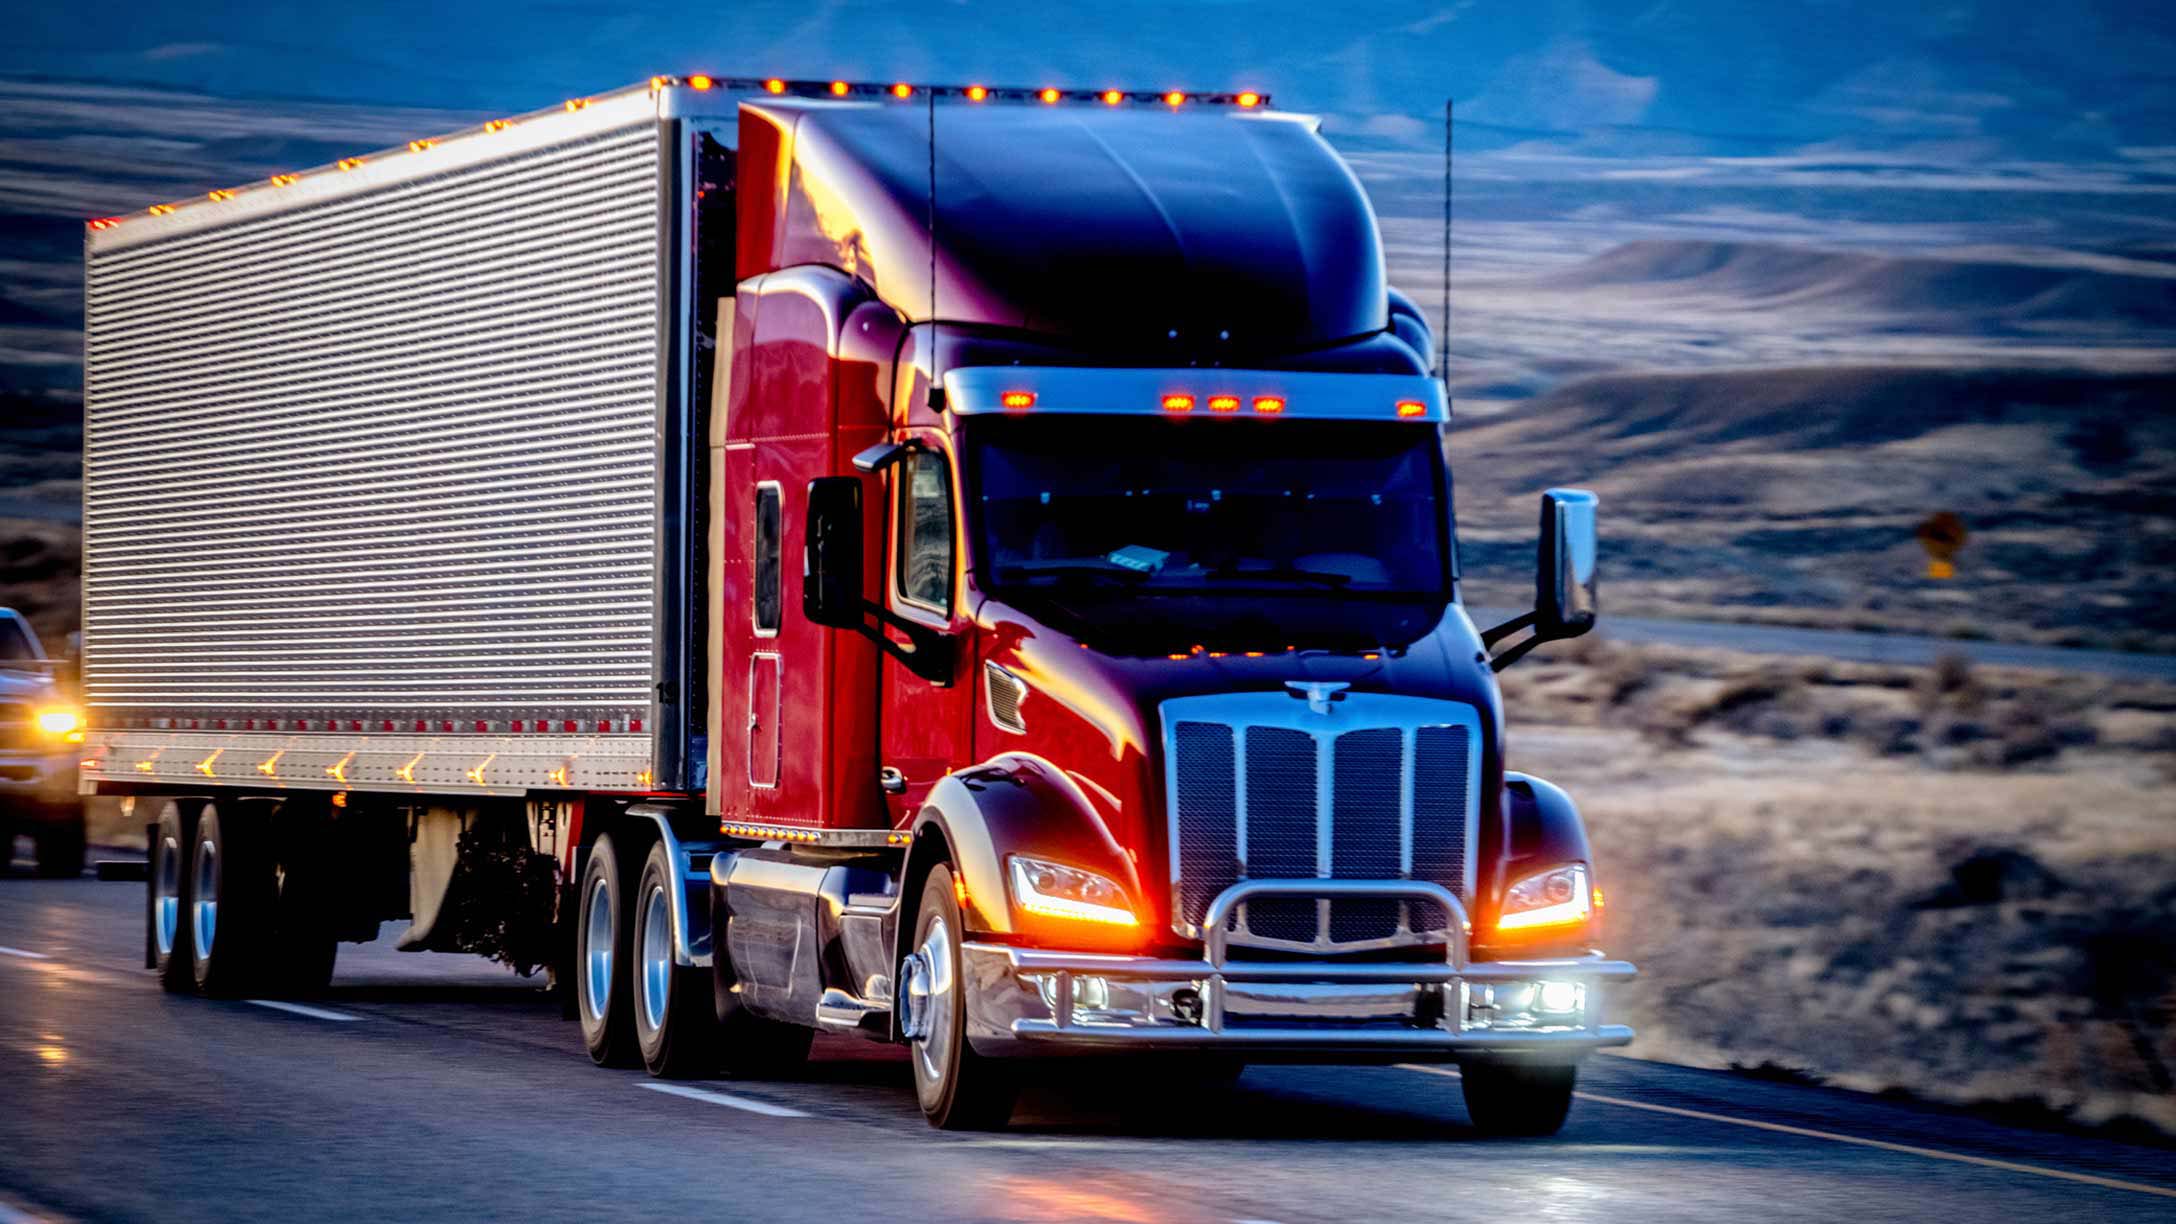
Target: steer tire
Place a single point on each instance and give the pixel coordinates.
(958, 1089)
(603, 952)
(1517, 1100)
(675, 1026)
(167, 917)
(230, 898)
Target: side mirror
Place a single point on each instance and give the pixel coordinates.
(1565, 605)
(1564, 600)
(831, 553)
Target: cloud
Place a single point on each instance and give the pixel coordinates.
(182, 50)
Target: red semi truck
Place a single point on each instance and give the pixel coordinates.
(971, 568)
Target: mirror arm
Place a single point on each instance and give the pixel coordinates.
(1497, 663)
(928, 652)
(1499, 633)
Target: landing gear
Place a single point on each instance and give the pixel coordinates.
(675, 1025)
(958, 1089)
(1517, 1099)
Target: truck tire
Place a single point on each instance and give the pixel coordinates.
(229, 891)
(61, 847)
(676, 1027)
(603, 954)
(171, 838)
(1517, 1099)
(958, 1089)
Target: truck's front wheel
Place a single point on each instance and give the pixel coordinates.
(959, 1090)
(603, 948)
(1517, 1099)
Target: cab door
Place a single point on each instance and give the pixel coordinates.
(927, 727)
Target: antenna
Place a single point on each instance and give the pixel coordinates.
(1443, 342)
(936, 376)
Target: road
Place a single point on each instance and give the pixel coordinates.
(425, 1087)
(1853, 646)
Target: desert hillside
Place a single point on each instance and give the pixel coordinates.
(1792, 494)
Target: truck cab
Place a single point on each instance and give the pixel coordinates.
(1090, 659)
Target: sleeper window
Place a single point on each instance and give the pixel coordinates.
(767, 546)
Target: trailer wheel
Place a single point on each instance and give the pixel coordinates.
(603, 950)
(1517, 1099)
(229, 893)
(958, 1089)
(171, 839)
(675, 1025)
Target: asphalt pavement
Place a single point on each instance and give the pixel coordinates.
(429, 1087)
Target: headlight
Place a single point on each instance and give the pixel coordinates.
(57, 722)
(1557, 897)
(1058, 891)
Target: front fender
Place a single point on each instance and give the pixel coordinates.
(1017, 803)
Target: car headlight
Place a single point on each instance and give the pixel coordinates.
(1058, 891)
(1557, 897)
(58, 722)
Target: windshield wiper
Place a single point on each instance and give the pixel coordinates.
(1074, 571)
(1230, 572)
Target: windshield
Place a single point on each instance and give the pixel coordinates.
(1211, 506)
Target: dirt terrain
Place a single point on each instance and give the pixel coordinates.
(1938, 881)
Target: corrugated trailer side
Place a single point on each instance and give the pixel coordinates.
(374, 490)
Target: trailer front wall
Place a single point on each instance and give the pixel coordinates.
(373, 478)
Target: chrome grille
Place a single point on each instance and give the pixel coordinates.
(1262, 786)
(390, 452)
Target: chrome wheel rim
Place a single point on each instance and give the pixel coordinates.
(204, 902)
(166, 896)
(597, 972)
(655, 957)
(927, 989)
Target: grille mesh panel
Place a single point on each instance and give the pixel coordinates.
(394, 453)
(1281, 826)
(1439, 801)
(1208, 813)
(1364, 828)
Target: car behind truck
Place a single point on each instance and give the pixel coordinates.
(969, 568)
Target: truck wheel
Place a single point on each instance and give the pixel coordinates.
(603, 950)
(1517, 1099)
(169, 918)
(61, 847)
(675, 1025)
(229, 894)
(958, 1089)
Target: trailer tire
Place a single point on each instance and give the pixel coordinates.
(1519, 1100)
(958, 1089)
(603, 951)
(676, 1027)
(230, 896)
(168, 917)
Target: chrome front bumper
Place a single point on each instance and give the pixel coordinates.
(1032, 1001)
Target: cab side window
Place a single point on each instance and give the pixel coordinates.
(925, 532)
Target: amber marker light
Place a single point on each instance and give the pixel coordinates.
(575, 104)
(1048, 96)
(1223, 403)
(1412, 408)
(1017, 399)
(221, 194)
(774, 85)
(497, 125)
(349, 163)
(1112, 97)
(160, 210)
(1250, 99)
(839, 89)
(902, 90)
(205, 766)
(418, 146)
(977, 93)
(1174, 98)
(285, 180)
(1269, 405)
(702, 81)
(270, 766)
(1178, 403)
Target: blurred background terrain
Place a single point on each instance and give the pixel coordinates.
(1778, 281)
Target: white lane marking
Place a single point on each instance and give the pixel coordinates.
(726, 1099)
(1986, 1162)
(26, 955)
(297, 1009)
